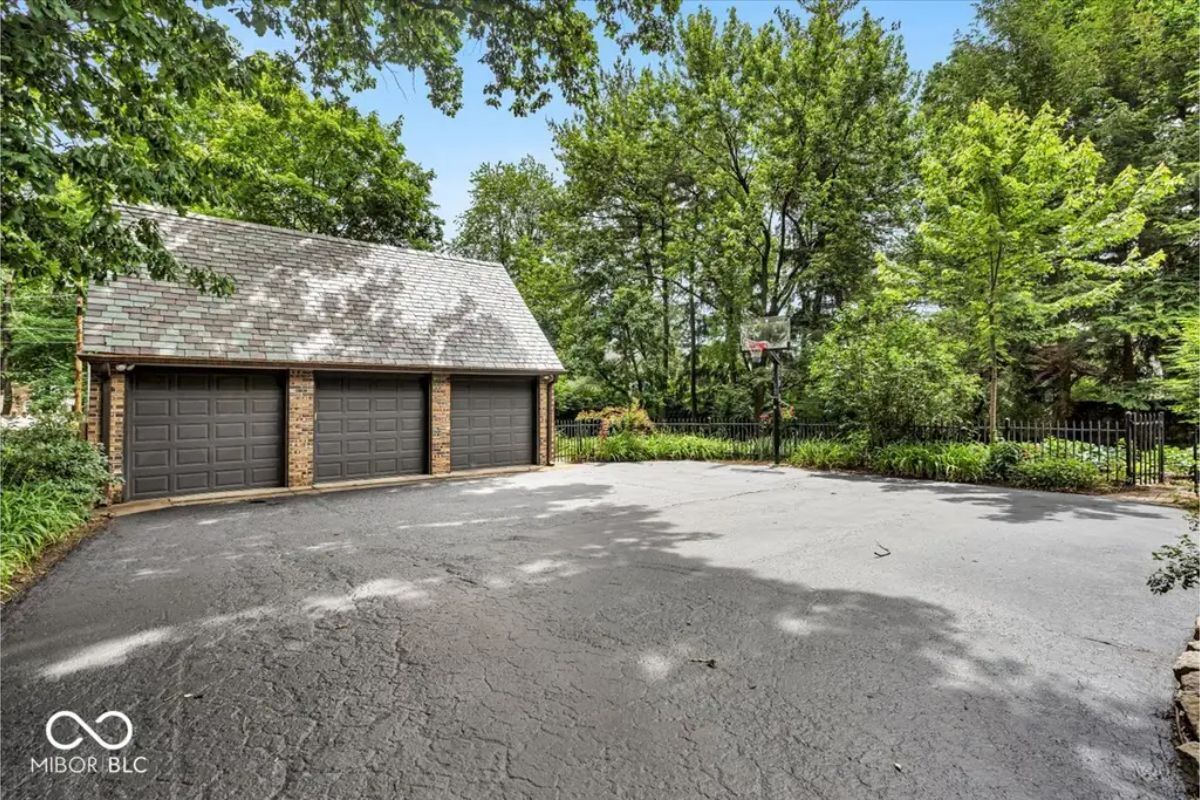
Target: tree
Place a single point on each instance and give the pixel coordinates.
(510, 203)
(99, 93)
(891, 370)
(1123, 71)
(285, 158)
(1182, 363)
(1021, 238)
(754, 173)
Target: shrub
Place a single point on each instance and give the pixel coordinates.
(827, 454)
(1002, 459)
(683, 446)
(51, 480)
(622, 446)
(51, 451)
(943, 461)
(1056, 473)
(617, 419)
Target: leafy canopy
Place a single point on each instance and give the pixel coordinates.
(285, 158)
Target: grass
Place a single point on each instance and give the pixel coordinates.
(34, 517)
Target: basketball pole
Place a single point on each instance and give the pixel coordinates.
(775, 413)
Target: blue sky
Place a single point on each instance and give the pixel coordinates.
(453, 146)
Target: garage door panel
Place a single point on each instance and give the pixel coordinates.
(203, 430)
(491, 422)
(359, 426)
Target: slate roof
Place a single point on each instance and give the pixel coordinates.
(313, 299)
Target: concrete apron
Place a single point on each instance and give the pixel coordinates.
(220, 498)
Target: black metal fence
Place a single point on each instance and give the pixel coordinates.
(1130, 450)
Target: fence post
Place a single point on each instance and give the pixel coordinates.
(1130, 468)
(1007, 423)
(1162, 441)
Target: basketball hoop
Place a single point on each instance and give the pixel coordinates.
(756, 351)
(762, 336)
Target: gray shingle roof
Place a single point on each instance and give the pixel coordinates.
(308, 298)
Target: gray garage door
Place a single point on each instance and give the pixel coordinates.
(370, 426)
(203, 431)
(491, 422)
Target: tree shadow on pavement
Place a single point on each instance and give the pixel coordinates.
(1017, 506)
(567, 648)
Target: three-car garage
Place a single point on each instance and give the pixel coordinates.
(202, 430)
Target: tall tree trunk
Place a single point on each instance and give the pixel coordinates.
(993, 383)
(78, 348)
(692, 336)
(6, 346)
(665, 291)
(1128, 365)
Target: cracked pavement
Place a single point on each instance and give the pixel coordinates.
(628, 630)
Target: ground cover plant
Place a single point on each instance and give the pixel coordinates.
(52, 479)
(1050, 466)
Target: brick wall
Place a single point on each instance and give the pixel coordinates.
(439, 424)
(300, 416)
(116, 433)
(545, 417)
(92, 425)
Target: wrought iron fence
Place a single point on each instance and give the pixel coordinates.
(1130, 450)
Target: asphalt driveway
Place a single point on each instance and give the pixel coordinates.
(650, 630)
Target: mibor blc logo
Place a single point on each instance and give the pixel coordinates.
(59, 735)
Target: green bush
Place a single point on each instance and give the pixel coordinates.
(1056, 473)
(1003, 458)
(51, 450)
(622, 446)
(34, 516)
(51, 479)
(943, 461)
(827, 454)
(618, 419)
(687, 446)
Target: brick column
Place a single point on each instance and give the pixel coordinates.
(91, 424)
(116, 435)
(300, 417)
(439, 424)
(545, 421)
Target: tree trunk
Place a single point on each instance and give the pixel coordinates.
(994, 385)
(78, 349)
(1128, 366)
(6, 346)
(692, 336)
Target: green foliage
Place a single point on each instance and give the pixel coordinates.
(50, 451)
(827, 454)
(619, 419)
(1124, 70)
(1002, 460)
(33, 517)
(285, 158)
(1020, 232)
(890, 372)
(1056, 473)
(1180, 564)
(683, 446)
(40, 355)
(1182, 364)
(622, 446)
(100, 93)
(963, 462)
(51, 480)
(754, 173)
(576, 394)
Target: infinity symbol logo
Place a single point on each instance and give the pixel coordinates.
(100, 740)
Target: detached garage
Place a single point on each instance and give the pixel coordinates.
(333, 360)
